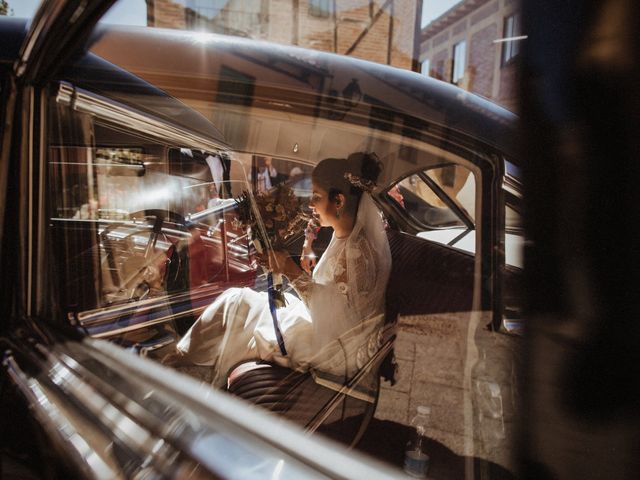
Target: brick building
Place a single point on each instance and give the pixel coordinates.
(380, 31)
(468, 45)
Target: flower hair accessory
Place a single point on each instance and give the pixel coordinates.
(359, 182)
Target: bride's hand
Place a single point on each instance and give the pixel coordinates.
(307, 258)
(262, 259)
(273, 260)
(279, 261)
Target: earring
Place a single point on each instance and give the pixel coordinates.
(338, 213)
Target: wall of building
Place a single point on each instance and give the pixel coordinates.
(165, 14)
(404, 32)
(376, 30)
(315, 32)
(484, 73)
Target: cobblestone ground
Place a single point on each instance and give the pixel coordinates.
(466, 375)
(441, 365)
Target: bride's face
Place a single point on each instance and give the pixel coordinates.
(322, 207)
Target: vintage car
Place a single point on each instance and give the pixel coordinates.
(121, 173)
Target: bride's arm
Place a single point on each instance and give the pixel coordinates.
(351, 295)
(281, 262)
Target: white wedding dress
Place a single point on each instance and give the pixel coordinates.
(333, 330)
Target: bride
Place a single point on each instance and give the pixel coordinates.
(333, 326)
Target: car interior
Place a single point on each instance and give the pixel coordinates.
(143, 219)
(132, 155)
(144, 242)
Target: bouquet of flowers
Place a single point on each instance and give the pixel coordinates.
(273, 219)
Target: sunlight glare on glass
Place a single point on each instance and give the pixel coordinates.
(277, 471)
(510, 39)
(202, 38)
(156, 195)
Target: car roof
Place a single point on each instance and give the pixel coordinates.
(293, 74)
(95, 74)
(288, 73)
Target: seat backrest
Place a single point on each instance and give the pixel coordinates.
(427, 277)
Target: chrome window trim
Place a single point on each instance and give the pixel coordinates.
(35, 228)
(250, 424)
(512, 185)
(57, 423)
(123, 116)
(164, 422)
(30, 207)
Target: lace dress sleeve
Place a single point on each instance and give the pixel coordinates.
(346, 306)
(360, 277)
(334, 289)
(303, 285)
(354, 273)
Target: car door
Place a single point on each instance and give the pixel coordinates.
(105, 412)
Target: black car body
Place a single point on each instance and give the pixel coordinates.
(106, 236)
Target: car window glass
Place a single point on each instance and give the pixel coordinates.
(268, 171)
(150, 168)
(149, 241)
(514, 237)
(514, 263)
(424, 205)
(513, 219)
(459, 185)
(142, 229)
(440, 204)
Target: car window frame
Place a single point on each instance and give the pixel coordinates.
(467, 223)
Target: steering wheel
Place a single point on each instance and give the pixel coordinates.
(139, 272)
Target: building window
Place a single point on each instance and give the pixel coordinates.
(424, 69)
(439, 71)
(511, 42)
(320, 8)
(235, 87)
(459, 61)
(203, 9)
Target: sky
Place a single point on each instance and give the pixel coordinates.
(129, 12)
(432, 9)
(133, 12)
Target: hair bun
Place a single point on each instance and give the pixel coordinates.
(366, 165)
